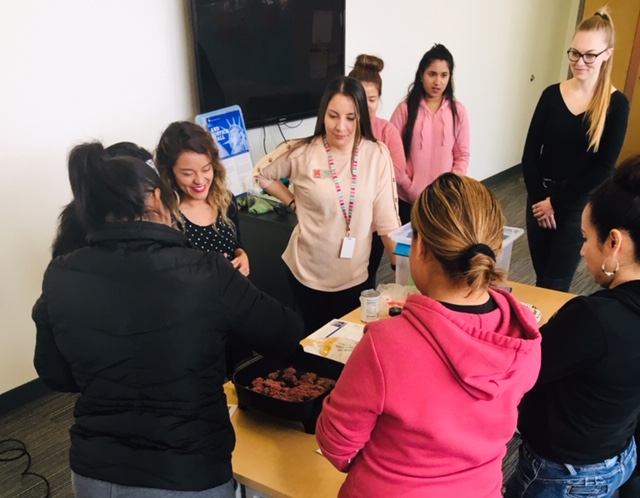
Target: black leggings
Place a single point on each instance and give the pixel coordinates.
(319, 307)
(555, 254)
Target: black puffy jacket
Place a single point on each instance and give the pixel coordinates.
(137, 323)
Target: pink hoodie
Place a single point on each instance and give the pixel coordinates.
(428, 401)
(435, 147)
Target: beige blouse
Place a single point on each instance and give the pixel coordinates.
(313, 251)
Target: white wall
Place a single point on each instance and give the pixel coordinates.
(117, 70)
(73, 70)
(497, 45)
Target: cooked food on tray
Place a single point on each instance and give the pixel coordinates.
(290, 384)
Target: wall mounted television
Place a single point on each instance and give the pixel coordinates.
(273, 58)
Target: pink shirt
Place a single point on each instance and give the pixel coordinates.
(428, 401)
(313, 251)
(435, 148)
(389, 135)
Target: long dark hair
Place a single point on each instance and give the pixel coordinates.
(616, 203)
(109, 189)
(71, 233)
(417, 92)
(353, 89)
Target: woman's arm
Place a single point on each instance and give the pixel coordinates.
(241, 261)
(399, 117)
(390, 247)
(271, 168)
(351, 411)
(280, 192)
(393, 141)
(571, 339)
(461, 146)
(385, 205)
(240, 257)
(532, 149)
(51, 366)
(258, 319)
(232, 214)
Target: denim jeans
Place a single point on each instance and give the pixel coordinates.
(536, 477)
(85, 487)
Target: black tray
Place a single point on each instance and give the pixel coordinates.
(306, 412)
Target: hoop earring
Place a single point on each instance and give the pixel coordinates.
(610, 273)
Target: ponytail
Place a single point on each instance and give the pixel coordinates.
(111, 189)
(596, 113)
(462, 223)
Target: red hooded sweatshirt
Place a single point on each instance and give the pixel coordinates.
(428, 401)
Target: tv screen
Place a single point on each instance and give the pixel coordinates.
(273, 58)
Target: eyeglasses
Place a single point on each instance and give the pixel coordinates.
(574, 56)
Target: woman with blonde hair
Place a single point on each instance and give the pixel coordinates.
(573, 143)
(428, 399)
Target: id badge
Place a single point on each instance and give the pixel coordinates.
(348, 246)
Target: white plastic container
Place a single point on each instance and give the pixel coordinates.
(510, 236)
(402, 237)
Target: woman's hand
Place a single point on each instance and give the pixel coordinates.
(548, 222)
(241, 262)
(544, 214)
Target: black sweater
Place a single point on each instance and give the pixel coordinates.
(556, 148)
(585, 404)
(137, 323)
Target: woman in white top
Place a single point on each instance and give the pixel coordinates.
(343, 185)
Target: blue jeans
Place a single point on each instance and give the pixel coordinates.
(85, 487)
(536, 477)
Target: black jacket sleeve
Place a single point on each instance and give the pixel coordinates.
(571, 339)
(532, 149)
(602, 162)
(51, 366)
(259, 320)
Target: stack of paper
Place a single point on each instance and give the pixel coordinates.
(334, 340)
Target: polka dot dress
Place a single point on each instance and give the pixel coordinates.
(221, 239)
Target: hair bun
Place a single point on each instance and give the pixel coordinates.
(369, 62)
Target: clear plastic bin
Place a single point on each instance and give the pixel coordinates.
(402, 237)
(504, 258)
